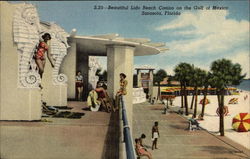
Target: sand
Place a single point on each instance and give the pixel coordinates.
(211, 119)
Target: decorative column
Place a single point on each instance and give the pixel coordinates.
(53, 94)
(54, 91)
(93, 66)
(121, 60)
(68, 67)
(139, 84)
(150, 84)
(20, 96)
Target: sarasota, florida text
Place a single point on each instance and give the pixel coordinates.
(156, 10)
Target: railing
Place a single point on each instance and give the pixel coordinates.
(125, 131)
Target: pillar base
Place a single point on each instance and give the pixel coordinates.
(22, 104)
(55, 95)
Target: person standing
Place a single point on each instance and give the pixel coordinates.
(155, 135)
(79, 85)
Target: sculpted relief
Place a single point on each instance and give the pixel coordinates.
(26, 28)
(28, 33)
(59, 45)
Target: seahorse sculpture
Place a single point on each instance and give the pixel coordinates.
(93, 66)
(58, 45)
(26, 28)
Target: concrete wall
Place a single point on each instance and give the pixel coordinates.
(121, 60)
(15, 103)
(151, 85)
(68, 67)
(155, 92)
(138, 95)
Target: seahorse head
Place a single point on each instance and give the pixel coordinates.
(29, 14)
(60, 34)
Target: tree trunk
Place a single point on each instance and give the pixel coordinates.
(159, 91)
(195, 103)
(192, 102)
(185, 99)
(222, 113)
(167, 103)
(203, 103)
(182, 95)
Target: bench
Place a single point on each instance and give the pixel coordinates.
(193, 124)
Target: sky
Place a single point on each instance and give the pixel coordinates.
(195, 36)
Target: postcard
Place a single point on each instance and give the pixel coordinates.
(124, 79)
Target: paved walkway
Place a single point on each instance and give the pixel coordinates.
(94, 136)
(176, 142)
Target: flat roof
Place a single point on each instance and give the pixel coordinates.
(97, 45)
(144, 69)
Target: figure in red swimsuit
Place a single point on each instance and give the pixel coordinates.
(43, 48)
(103, 96)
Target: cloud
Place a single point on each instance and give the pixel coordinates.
(206, 32)
(186, 19)
(243, 59)
(170, 71)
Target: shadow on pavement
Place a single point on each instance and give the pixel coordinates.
(219, 150)
(224, 150)
(111, 146)
(181, 127)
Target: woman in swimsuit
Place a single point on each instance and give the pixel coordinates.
(79, 85)
(103, 97)
(43, 48)
(140, 150)
(121, 91)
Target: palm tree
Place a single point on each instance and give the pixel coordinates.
(192, 101)
(158, 78)
(182, 73)
(224, 73)
(197, 81)
(191, 83)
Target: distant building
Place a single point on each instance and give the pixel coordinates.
(171, 82)
(145, 79)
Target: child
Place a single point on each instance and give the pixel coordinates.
(143, 136)
(155, 135)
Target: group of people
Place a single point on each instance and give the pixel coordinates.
(102, 96)
(98, 97)
(141, 149)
